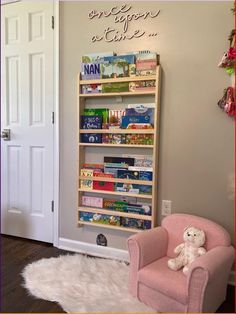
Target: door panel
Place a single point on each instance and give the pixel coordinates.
(27, 105)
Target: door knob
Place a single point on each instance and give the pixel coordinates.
(6, 134)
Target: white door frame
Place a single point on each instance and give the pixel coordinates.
(57, 126)
(56, 150)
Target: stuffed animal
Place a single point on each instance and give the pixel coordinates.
(189, 250)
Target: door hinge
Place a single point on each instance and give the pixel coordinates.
(52, 206)
(53, 117)
(52, 22)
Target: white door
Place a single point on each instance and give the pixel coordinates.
(27, 106)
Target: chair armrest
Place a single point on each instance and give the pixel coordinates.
(209, 270)
(148, 246)
(216, 260)
(144, 248)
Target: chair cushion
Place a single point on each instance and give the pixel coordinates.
(159, 277)
(174, 224)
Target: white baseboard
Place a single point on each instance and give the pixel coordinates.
(92, 249)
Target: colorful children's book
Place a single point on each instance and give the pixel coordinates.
(118, 162)
(114, 205)
(97, 167)
(118, 87)
(85, 216)
(113, 138)
(127, 120)
(86, 184)
(102, 185)
(91, 122)
(106, 219)
(115, 118)
(146, 63)
(104, 112)
(135, 223)
(145, 176)
(91, 89)
(117, 66)
(141, 160)
(141, 110)
(90, 71)
(139, 139)
(127, 187)
(142, 86)
(91, 201)
(96, 57)
(91, 138)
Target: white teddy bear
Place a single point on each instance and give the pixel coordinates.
(188, 251)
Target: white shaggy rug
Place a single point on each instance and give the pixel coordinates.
(82, 284)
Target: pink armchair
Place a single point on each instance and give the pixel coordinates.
(165, 290)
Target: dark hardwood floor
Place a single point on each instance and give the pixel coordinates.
(16, 253)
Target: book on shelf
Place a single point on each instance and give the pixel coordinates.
(91, 88)
(90, 71)
(113, 138)
(133, 168)
(127, 187)
(117, 87)
(146, 62)
(91, 201)
(140, 160)
(114, 205)
(100, 218)
(91, 122)
(118, 162)
(141, 110)
(135, 223)
(102, 185)
(140, 86)
(96, 57)
(129, 119)
(103, 112)
(139, 139)
(115, 117)
(97, 167)
(91, 138)
(86, 183)
(145, 176)
(117, 66)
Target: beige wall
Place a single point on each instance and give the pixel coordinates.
(196, 138)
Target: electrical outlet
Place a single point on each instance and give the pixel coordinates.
(166, 208)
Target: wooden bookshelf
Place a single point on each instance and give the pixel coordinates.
(150, 199)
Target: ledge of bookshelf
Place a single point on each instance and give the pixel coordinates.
(102, 179)
(118, 131)
(113, 213)
(146, 196)
(93, 224)
(115, 145)
(151, 92)
(119, 79)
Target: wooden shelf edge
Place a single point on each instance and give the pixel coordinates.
(116, 180)
(105, 211)
(93, 224)
(152, 92)
(116, 193)
(118, 131)
(115, 145)
(119, 80)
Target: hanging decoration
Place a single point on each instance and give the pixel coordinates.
(228, 59)
(227, 102)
